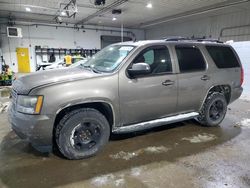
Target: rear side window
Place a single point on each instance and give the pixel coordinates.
(223, 56)
(190, 59)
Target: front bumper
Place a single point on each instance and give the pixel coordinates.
(36, 129)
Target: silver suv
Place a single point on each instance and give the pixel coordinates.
(126, 87)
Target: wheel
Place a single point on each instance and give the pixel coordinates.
(214, 110)
(82, 133)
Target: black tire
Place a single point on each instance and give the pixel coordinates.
(213, 111)
(82, 133)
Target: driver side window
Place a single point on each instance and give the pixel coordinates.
(149, 57)
(157, 57)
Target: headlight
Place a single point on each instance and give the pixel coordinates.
(29, 104)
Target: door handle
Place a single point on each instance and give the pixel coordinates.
(205, 78)
(168, 83)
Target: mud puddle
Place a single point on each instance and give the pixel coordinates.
(5, 92)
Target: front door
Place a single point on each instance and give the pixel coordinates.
(23, 60)
(150, 96)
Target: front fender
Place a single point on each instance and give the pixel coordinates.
(62, 95)
(90, 101)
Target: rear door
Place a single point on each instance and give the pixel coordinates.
(193, 77)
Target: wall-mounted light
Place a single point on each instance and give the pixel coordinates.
(115, 13)
(149, 5)
(28, 9)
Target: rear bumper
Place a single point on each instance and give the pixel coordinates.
(36, 129)
(236, 93)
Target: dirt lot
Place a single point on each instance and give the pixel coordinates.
(177, 155)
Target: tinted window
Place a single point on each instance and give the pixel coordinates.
(190, 59)
(157, 57)
(223, 57)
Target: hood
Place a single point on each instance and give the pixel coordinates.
(24, 84)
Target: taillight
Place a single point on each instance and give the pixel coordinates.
(241, 76)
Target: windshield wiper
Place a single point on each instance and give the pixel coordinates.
(91, 68)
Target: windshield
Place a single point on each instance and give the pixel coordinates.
(108, 59)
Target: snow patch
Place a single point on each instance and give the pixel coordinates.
(4, 107)
(119, 182)
(245, 123)
(129, 155)
(108, 179)
(124, 155)
(245, 97)
(136, 171)
(154, 149)
(102, 180)
(204, 137)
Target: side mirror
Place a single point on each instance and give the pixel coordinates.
(139, 69)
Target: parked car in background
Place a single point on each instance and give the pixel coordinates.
(79, 63)
(77, 58)
(60, 63)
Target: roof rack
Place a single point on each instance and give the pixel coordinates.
(208, 40)
(175, 38)
(179, 38)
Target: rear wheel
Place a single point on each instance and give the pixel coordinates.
(82, 133)
(214, 110)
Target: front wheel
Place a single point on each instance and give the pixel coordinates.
(214, 110)
(82, 133)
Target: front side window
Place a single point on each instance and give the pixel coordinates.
(109, 58)
(190, 59)
(158, 58)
